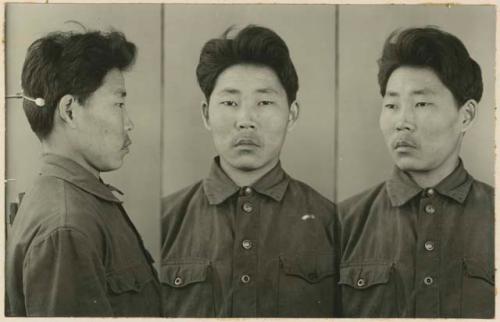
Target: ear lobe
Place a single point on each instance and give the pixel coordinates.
(293, 115)
(65, 109)
(204, 115)
(468, 111)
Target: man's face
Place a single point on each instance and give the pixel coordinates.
(248, 116)
(103, 125)
(420, 120)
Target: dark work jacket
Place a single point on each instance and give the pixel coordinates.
(72, 251)
(265, 250)
(413, 252)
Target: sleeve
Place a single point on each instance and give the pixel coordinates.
(64, 276)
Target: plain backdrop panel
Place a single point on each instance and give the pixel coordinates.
(139, 177)
(309, 31)
(363, 159)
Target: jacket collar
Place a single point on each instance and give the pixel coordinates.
(218, 186)
(401, 187)
(70, 171)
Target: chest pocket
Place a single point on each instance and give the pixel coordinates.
(306, 285)
(133, 288)
(478, 298)
(186, 288)
(368, 290)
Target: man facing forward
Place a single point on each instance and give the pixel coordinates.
(72, 250)
(421, 243)
(248, 240)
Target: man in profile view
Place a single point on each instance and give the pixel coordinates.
(72, 249)
(421, 244)
(248, 240)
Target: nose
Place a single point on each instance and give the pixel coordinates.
(129, 125)
(245, 117)
(405, 119)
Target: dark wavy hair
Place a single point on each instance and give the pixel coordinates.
(252, 45)
(64, 63)
(430, 47)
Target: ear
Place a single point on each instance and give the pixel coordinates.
(468, 114)
(293, 114)
(204, 115)
(66, 109)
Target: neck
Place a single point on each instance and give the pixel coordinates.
(244, 178)
(427, 179)
(60, 146)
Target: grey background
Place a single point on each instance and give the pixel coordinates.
(337, 132)
(139, 177)
(308, 30)
(363, 159)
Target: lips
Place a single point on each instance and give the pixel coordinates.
(246, 141)
(126, 144)
(403, 143)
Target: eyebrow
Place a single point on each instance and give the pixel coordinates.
(229, 90)
(265, 90)
(423, 91)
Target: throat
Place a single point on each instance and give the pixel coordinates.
(427, 179)
(243, 177)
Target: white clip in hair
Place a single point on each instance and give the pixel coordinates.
(40, 102)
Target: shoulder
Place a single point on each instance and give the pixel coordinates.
(483, 194)
(54, 204)
(483, 189)
(299, 190)
(181, 198)
(363, 201)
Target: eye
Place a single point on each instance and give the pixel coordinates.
(120, 105)
(265, 103)
(422, 104)
(229, 103)
(390, 106)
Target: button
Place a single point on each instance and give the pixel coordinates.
(247, 207)
(247, 244)
(428, 280)
(247, 191)
(430, 192)
(245, 279)
(430, 209)
(178, 281)
(429, 245)
(361, 282)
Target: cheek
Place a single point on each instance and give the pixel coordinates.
(385, 123)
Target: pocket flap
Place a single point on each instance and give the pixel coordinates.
(311, 267)
(131, 279)
(365, 275)
(179, 273)
(479, 269)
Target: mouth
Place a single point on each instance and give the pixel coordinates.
(403, 145)
(126, 144)
(246, 142)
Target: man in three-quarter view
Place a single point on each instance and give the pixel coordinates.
(72, 249)
(248, 240)
(421, 244)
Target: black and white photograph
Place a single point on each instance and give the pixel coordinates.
(198, 160)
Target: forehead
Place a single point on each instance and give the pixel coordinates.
(248, 78)
(113, 83)
(414, 80)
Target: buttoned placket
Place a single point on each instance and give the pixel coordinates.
(427, 260)
(245, 254)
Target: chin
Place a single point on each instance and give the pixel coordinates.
(245, 163)
(410, 164)
(111, 166)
